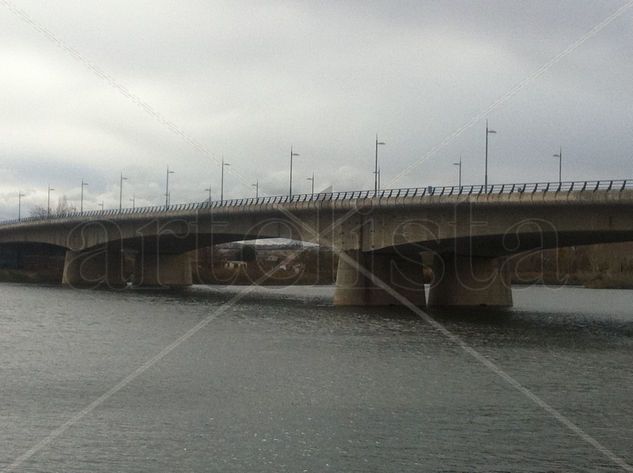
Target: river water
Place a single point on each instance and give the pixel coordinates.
(280, 380)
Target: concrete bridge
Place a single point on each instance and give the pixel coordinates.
(466, 233)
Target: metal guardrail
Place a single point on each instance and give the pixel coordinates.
(429, 191)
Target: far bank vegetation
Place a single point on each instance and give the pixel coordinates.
(595, 266)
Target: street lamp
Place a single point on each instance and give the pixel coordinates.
(560, 165)
(167, 187)
(459, 172)
(81, 200)
(222, 180)
(376, 171)
(292, 155)
(121, 192)
(256, 186)
(311, 179)
(488, 132)
(48, 205)
(133, 200)
(379, 173)
(20, 195)
(209, 191)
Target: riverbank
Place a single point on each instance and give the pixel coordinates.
(594, 266)
(608, 266)
(31, 277)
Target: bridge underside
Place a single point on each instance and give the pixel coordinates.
(148, 261)
(501, 245)
(113, 268)
(390, 276)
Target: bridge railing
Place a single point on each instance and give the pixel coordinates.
(615, 185)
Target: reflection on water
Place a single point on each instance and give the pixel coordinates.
(283, 381)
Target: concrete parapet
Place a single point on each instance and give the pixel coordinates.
(163, 270)
(403, 275)
(469, 281)
(101, 267)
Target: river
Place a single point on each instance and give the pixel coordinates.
(279, 380)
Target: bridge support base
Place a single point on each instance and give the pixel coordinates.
(101, 267)
(403, 275)
(163, 270)
(469, 281)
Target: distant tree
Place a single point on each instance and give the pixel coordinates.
(64, 207)
(247, 253)
(38, 211)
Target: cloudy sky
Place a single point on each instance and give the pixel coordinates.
(91, 89)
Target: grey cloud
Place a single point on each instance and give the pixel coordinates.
(248, 79)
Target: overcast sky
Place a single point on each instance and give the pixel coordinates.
(246, 79)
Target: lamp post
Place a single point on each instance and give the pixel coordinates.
(222, 180)
(81, 200)
(459, 171)
(311, 179)
(133, 200)
(48, 205)
(488, 132)
(560, 165)
(20, 195)
(121, 191)
(292, 155)
(256, 186)
(376, 171)
(167, 187)
(208, 189)
(101, 205)
(379, 172)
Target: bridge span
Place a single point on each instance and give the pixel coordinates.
(466, 233)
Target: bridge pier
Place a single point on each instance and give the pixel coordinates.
(402, 274)
(469, 281)
(101, 267)
(163, 270)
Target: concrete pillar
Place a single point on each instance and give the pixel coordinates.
(402, 274)
(469, 281)
(163, 270)
(101, 267)
(350, 283)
